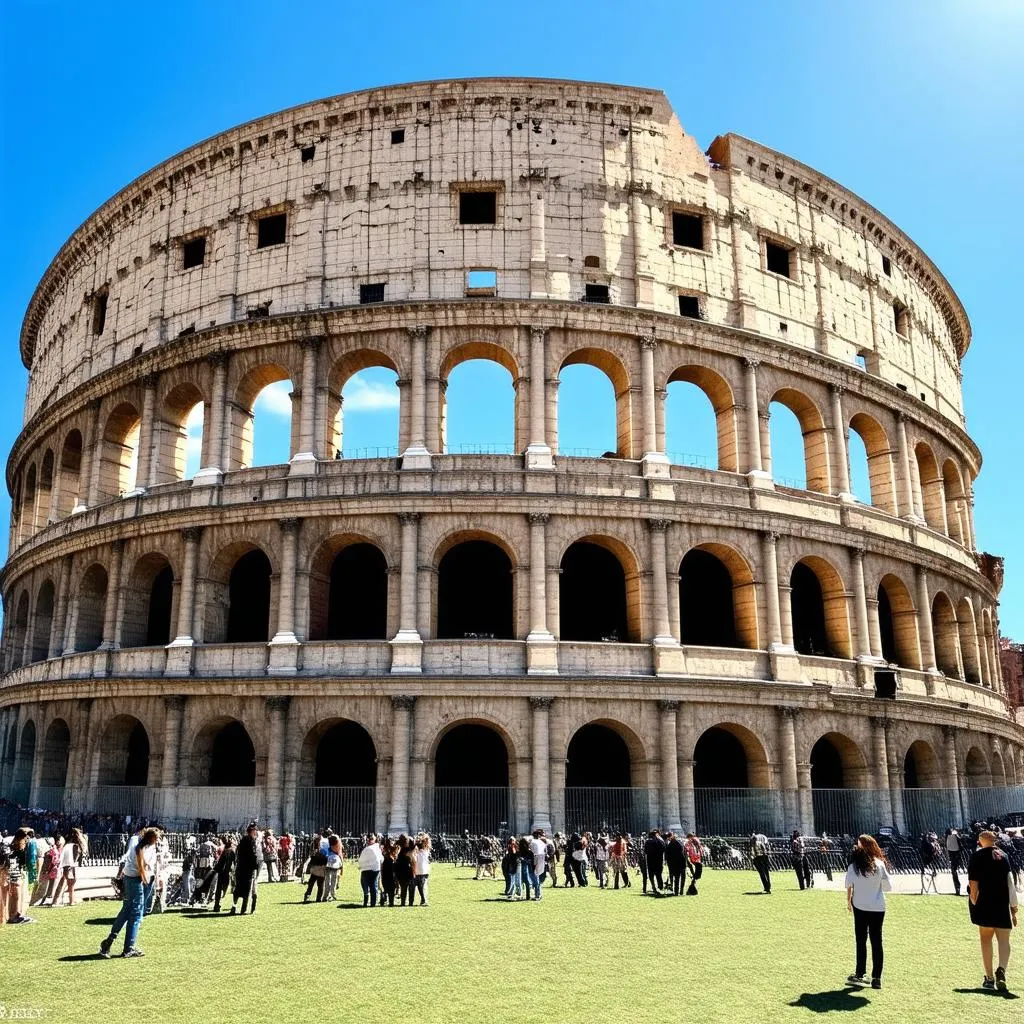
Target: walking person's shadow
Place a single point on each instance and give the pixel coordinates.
(837, 999)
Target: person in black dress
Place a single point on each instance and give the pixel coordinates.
(993, 905)
(654, 855)
(675, 861)
(247, 866)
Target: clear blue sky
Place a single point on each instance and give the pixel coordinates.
(918, 106)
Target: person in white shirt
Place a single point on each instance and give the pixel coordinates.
(867, 882)
(138, 870)
(539, 849)
(422, 860)
(370, 861)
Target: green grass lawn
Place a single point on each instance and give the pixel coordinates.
(470, 956)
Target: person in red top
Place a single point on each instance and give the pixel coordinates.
(285, 846)
(694, 853)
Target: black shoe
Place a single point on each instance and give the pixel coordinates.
(876, 982)
(988, 984)
(856, 979)
(1001, 979)
(129, 953)
(233, 910)
(105, 948)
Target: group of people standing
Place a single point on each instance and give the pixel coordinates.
(38, 869)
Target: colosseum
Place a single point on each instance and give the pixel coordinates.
(443, 639)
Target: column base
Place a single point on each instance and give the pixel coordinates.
(668, 656)
(79, 508)
(542, 821)
(655, 464)
(211, 476)
(848, 498)
(109, 645)
(538, 456)
(135, 492)
(397, 828)
(416, 457)
(915, 520)
(303, 464)
(283, 655)
(541, 654)
(179, 657)
(785, 663)
(407, 653)
(761, 479)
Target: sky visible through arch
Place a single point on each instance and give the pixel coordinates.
(918, 107)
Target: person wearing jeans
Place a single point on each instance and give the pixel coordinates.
(370, 861)
(422, 860)
(137, 872)
(867, 882)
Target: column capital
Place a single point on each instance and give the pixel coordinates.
(765, 415)
(837, 390)
(538, 333)
(289, 523)
(117, 546)
(647, 340)
(175, 702)
(311, 342)
(541, 703)
(921, 573)
(277, 704)
(150, 381)
(216, 359)
(405, 518)
(857, 552)
(191, 534)
(403, 702)
(771, 536)
(669, 706)
(791, 713)
(750, 363)
(659, 525)
(949, 733)
(538, 518)
(880, 722)
(417, 333)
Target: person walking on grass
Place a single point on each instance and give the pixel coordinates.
(675, 861)
(370, 860)
(759, 850)
(993, 906)
(798, 858)
(694, 861)
(955, 852)
(867, 881)
(510, 869)
(137, 873)
(247, 867)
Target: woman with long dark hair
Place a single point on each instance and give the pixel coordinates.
(867, 882)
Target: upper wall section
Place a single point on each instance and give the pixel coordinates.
(598, 193)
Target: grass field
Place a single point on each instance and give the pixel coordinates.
(584, 954)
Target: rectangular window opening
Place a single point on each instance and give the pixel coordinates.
(99, 314)
(862, 361)
(478, 207)
(776, 258)
(397, 136)
(689, 306)
(887, 266)
(595, 293)
(193, 253)
(902, 387)
(370, 293)
(901, 319)
(481, 282)
(308, 152)
(688, 230)
(271, 230)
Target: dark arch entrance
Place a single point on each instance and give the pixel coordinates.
(808, 605)
(124, 758)
(719, 761)
(158, 624)
(471, 781)
(337, 786)
(24, 763)
(598, 783)
(826, 766)
(474, 592)
(598, 756)
(345, 756)
(357, 602)
(55, 756)
(232, 757)
(592, 595)
(886, 628)
(835, 812)
(249, 608)
(706, 613)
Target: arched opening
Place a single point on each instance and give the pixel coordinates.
(921, 768)
(897, 623)
(594, 416)
(998, 770)
(471, 781)
(593, 604)
(600, 784)
(179, 443)
(719, 760)
(969, 641)
(834, 760)
(43, 623)
(28, 507)
(837, 763)
(70, 483)
(224, 755)
(363, 407)
(946, 634)
(249, 597)
(924, 800)
(474, 592)
(147, 610)
(728, 758)
(956, 502)
(932, 492)
(692, 436)
(262, 418)
(478, 388)
(818, 602)
(717, 603)
(92, 600)
(24, 763)
(797, 451)
(18, 634)
(348, 593)
(44, 496)
(119, 459)
(124, 753)
(598, 756)
(338, 776)
(871, 465)
(976, 773)
(56, 747)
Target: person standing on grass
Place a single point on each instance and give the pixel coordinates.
(247, 867)
(539, 850)
(798, 857)
(220, 877)
(927, 851)
(759, 851)
(694, 860)
(333, 869)
(654, 858)
(867, 881)
(421, 854)
(601, 857)
(270, 854)
(370, 860)
(285, 846)
(955, 852)
(993, 906)
(617, 853)
(510, 869)
(388, 883)
(137, 872)
(16, 874)
(675, 861)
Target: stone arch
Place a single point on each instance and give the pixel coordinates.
(921, 767)
(342, 370)
(28, 503)
(338, 752)
(837, 762)
(119, 452)
(947, 635)
(124, 753)
(489, 352)
(599, 591)
(821, 623)
(719, 393)
(348, 589)
(16, 656)
(727, 755)
(612, 367)
(223, 754)
(717, 598)
(956, 500)
(474, 768)
(24, 763)
(976, 769)
(603, 753)
(812, 427)
(56, 747)
(998, 769)
(149, 594)
(879, 461)
(475, 591)
(172, 445)
(70, 478)
(238, 592)
(967, 629)
(42, 624)
(92, 602)
(933, 498)
(44, 493)
(897, 623)
(242, 415)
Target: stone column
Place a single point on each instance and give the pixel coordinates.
(806, 822)
(146, 468)
(398, 820)
(78, 777)
(216, 443)
(91, 452)
(655, 461)
(538, 451)
(541, 647)
(407, 645)
(174, 717)
(540, 772)
(895, 767)
(187, 593)
(841, 462)
(277, 713)
(685, 742)
(952, 772)
(113, 593)
(286, 585)
(551, 412)
(667, 652)
(416, 455)
(303, 462)
(924, 621)
(860, 600)
(880, 755)
(908, 505)
(670, 817)
(60, 610)
(771, 589)
(874, 629)
(788, 766)
(753, 425)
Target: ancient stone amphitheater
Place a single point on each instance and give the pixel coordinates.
(447, 640)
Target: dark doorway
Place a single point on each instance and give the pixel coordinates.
(719, 761)
(826, 766)
(471, 781)
(249, 607)
(592, 595)
(706, 612)
(345, 756)
(136, 767)
(598, 756)
(357, 603)
(911, 779)
(808, 605)
(55, 755)
(598, 781)
(474, 593)
(233, 758)
(158, 624)
(886, 629)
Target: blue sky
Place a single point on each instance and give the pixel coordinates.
(916, 105)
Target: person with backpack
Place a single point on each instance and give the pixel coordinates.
(759, 853)
(317, 866)
(798, 858)
(694, 860)
(928, 851)
(993, 906)
(675, 861)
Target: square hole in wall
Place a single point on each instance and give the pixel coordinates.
(689, 306)
(478, 207)
(370, 293)
(596, 293)
(887, 266)
(193, 253)
(308, 152)
(99, 313)
(481, 281)
(271, 230)
(777, 259)
(901, 319)
(688, 230)
(397, 136)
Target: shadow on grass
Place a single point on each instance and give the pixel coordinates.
(985, 992)
(108, 921)
(837, 999)
(80, 958)
(759, 893)
(208, 916)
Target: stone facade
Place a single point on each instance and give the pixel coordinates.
(602, 235)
